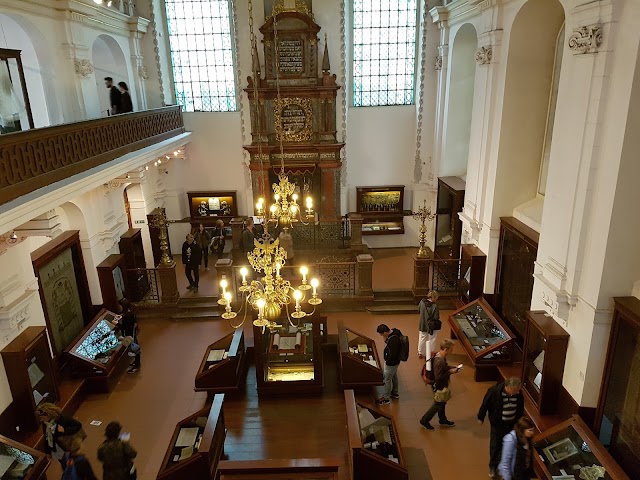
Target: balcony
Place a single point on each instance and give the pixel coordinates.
(33, 159)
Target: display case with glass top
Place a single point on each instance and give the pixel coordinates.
(197, 444)
(360, 365)
(289, 357)
(208, 207)
(381, 209)
(483, 336)
(31, 377)
(224, 365)
(98, 354)
(19, 462)
(571, 451)
(374, 444)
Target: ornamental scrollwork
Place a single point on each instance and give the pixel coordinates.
(484, 55)
(586, 39)
(280, 7)
(438, 63)
(83, 67)
(293, 119)
(142, 72)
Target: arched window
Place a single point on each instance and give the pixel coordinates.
(200, 37)
(384, 52)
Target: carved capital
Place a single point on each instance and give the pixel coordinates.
(142, 72)
(586, 39)
(484, 55)
(438, 63)
(83, 67)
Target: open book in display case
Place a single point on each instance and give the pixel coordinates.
(196, 446)
(224, 366)
(19, 462)
(374, 444)
(360, 364)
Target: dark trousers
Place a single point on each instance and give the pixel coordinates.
(437, 407)
(495, 443)
(192, 274)
(205, 256)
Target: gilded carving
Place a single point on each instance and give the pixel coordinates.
(484, 55)
(83, 67)
(281, 6)
(293, 119)
(586, 39)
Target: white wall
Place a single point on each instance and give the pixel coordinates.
(108, 61)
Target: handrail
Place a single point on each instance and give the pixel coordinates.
(32, 159)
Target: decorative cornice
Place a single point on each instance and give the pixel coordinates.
(437, 65)
(484, 55)
(439, 15)
(13, 316)
(586, 39)
(83, 67)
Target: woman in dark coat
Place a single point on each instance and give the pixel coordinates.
(115, 454)
(61, 433)
(126, 105)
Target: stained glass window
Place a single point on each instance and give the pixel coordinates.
(202, 54)
(384, 52)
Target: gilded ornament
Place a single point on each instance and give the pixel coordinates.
(281, 6)
(289, 125)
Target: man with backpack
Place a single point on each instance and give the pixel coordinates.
(396, 350)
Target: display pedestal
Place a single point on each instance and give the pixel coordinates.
(365, 275)
(168, 284)
(421, 277)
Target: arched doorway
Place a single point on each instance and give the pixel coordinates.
(108, 61)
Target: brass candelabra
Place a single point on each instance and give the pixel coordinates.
(423, 214)
(159, 221)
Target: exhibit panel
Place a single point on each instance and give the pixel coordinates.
(224, 365)
(360, 364)
(112, 274)
(382, 209)
(196, 446)
(448, 228)
(137, 283)
(19, 462)
(374, 444)
(211, 206)
(570, 451)
(485, 338)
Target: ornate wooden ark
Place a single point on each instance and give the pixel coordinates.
(299, 122)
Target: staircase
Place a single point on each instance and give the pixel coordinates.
(197, 308)
(393, 302)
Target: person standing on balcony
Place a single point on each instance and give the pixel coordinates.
(191, 254)
(115, 97)
(126, 105)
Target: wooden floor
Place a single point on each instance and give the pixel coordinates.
(149, 404)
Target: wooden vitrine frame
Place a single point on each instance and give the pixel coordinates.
(210, 220)
(450, 201)
(363, 463)
(371, 218)
(485, 367)
(107, 283)
(39, 468)
(276, 469)
(5, 55)
(354, 371)
(229, 374)
(202, 464)
(590, 442)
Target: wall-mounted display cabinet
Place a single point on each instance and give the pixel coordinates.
(486, 339)
(545, 350)
(19, 462)
(570, 450)
(196, 446)
(135, 265)
(289, 358)
(374, 444)
(97, 355)
(31, 376)
(224, 365)
(448, 229)
(360, 364)
(209, 206)
(472, 269)
(381, 209)
(112, 277)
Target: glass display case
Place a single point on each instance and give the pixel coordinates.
(97, 355)
(137, 282)
(19, 462)
(197, 444)
(208, 207)
(289, 358)
(360, 365)
(381, 209)
(545, 350)
(31, 377)
(16, 109)
(374, 444)
(448, 229)
(224, 365)
(571, 451)
(485, 338)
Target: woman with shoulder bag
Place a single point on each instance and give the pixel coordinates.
(116, 455)
(429, 324)
(62, 434)
(442, 394)
(516, 462)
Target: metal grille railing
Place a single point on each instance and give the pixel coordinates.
(322, 235)
(143, 286)
(445, 276)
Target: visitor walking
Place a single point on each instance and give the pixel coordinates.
(116, 454)
(392, 358)
(126, 105)
(202, 238)
(429, 325)
(115, 97)
(218, 239)
(516, 460)
(191, 254)
(62, 434)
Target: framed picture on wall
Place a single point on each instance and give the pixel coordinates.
(64, 290)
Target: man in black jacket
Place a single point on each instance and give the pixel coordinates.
(115, 97)
(505, 405)
(391, 362)
(191, 255)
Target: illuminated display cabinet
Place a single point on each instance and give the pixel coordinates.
(381, 209)
(208, 207)
(360, 364)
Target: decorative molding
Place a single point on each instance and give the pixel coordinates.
(417, 163)
(13, 316)
(344, 7)
(437, 65)
(484, 55)
(83, 67)
(558, 301)
(586, 39)
(281, 6)
(9, 240)
(142, 72)
(156, 48)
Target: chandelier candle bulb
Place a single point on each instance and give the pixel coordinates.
(297, 295)
(223, 285)
(278, 267)
(243, 272)
(314, 284)
(303, 271)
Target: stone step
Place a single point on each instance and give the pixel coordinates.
(400, 292)
(196, 315)
(198, 306)
(392, 309)
(393, 300)
(197, 300)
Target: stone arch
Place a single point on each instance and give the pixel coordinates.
(18, 34)
(462, 74)
(525, 108)
(108, 61)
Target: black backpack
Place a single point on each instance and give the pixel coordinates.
(404, 348)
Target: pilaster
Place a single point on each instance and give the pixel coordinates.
(440, 16)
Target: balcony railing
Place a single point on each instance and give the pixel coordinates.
(32, 159)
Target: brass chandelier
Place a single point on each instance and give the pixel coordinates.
(271, 292)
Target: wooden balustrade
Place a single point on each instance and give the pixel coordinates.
(32, 159)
